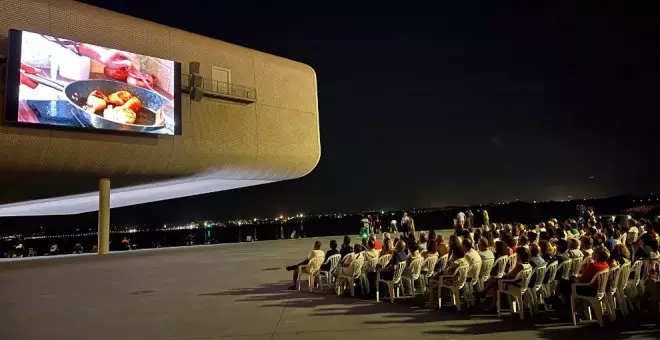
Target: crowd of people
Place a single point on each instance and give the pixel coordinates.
(515, 253)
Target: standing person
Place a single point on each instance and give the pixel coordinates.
(460, 218)
(470, 219)
(486, 218)
(393, 228)
(365, 226)
(405, 223)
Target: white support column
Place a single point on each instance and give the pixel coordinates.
(104, 216)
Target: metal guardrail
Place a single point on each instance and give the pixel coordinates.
(223, 90)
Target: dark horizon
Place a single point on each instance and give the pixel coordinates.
(451, 105)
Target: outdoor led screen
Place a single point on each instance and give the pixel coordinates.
(60, 82)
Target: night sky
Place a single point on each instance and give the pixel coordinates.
(452, 104)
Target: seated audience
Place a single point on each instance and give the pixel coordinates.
(332, 251)
(459, 260)
(441, 246)
(377, 245)
(574, 248)
(600, 257)
(315, 253)
(388, 247)
(547, 251)
(399, 255)
(585, 246)
(345, 247)
(484, 252)
(421, 245)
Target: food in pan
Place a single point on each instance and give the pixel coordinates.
(119, 98)
(97, 101)
(120, 106)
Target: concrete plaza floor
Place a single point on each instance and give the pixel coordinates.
(234, 291)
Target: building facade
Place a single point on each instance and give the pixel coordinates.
(223, 144)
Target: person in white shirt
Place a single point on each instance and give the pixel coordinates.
(484, 252)
(405, 222)
(461, 219)
(471, 255)
(365, 226)
(393, 227)
(311, 265)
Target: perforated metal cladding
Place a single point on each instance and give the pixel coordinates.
(277, 138)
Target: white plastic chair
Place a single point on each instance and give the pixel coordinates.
(474, 270)
(484, 274)
(517, 293)
(536, 291)
(585, 261)
(595, 302)
(548, 288)
(622, 300)
(354, 272)
(383, 260)
(455, 289)
(393, 285)
(427, 266)
(576, 266)
(333, 260)
(565, 268)
(411, 274)
(613, 279)
(501, 264)
(369, 266)
(635, 287)
(511, 262)
(338, 268)
(309, 277)
(442, 262)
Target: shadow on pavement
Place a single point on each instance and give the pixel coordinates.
(550, 325)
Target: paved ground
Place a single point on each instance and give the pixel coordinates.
(233, 291)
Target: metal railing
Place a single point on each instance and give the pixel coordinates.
(223, 89)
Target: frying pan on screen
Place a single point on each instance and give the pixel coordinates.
(77, 92)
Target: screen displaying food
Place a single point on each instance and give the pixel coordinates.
(70, 83)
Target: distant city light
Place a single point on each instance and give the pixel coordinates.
(281, 217)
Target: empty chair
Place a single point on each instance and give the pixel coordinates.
(332, 261)
(411, 274)
(595, 302)
(516, 288)
(393, 285)
(453, 282)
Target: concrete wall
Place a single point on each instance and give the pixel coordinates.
(273, 139)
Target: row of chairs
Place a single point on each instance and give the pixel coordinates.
(620, 294)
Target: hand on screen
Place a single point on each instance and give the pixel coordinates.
(116, 59)
(111, 58)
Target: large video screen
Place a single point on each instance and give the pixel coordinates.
(60, 82)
